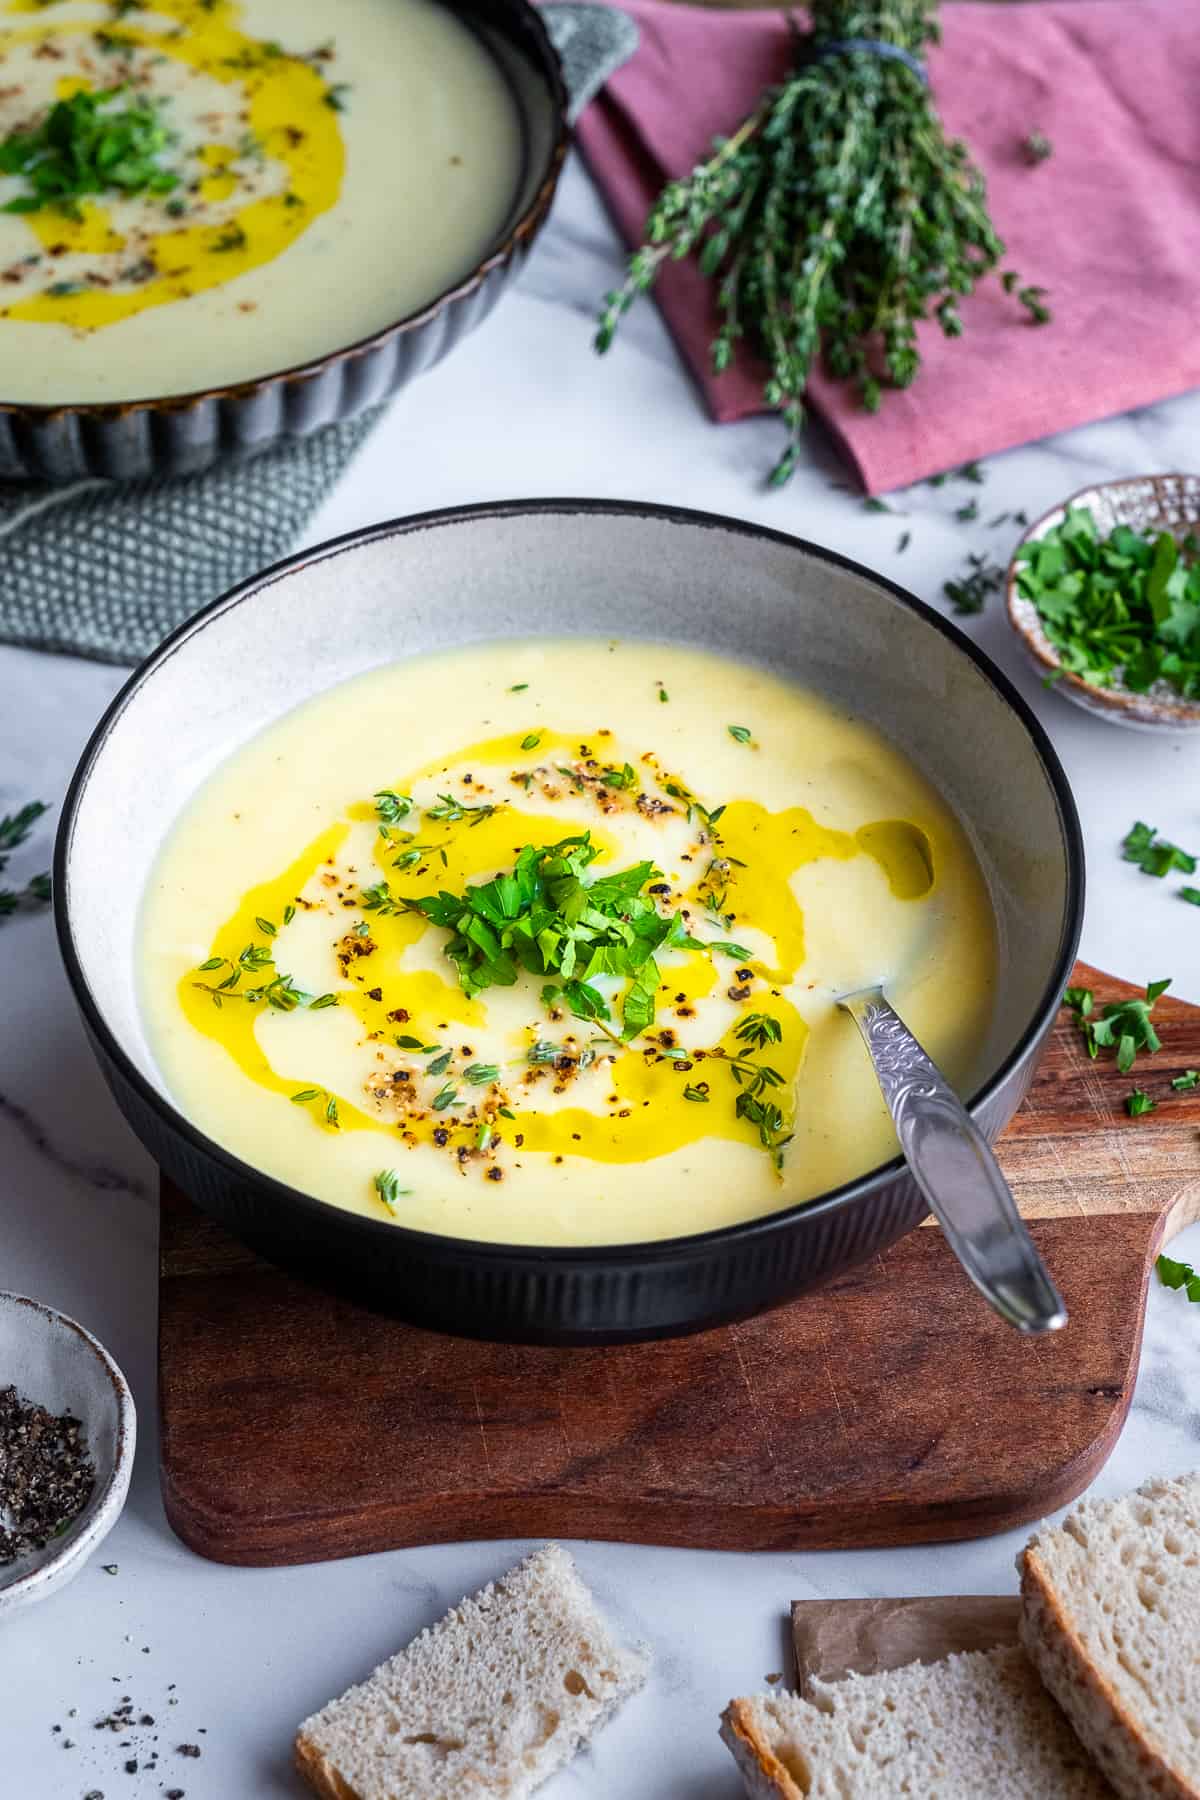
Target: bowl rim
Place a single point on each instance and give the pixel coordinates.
(698, 1244)
(105, 1505)
(1114, 700)
(519, 233)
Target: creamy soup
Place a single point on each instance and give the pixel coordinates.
(539, 943)
(298, 174)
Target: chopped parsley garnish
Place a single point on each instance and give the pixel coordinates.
(387, 1186)
(518, 687)
(741, 733)
(531, 740)
(88, 144)
(544, 918)
(624, 777)
(1154, 855)
(1139, 1102)
(1191, 895)
(1184, 1083)
(1121, 607)
(1123, 1026)
(663, 695)
(1174, 1274)
(232, 237)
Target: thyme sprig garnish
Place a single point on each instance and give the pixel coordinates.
(757, 1080)
(15, 829)
(833, 220)
(329, 1105)
(89, 144)
(279, 992)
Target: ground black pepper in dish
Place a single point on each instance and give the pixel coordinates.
(46, 1474)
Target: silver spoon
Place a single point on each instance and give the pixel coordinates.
(952, 1164)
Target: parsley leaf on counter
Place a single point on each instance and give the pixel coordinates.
(1139, 1102)
(1154, 855)
(1123, 1026)
(1185, 1082)
(1174, 1274)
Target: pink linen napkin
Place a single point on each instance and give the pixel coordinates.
(1109, 224)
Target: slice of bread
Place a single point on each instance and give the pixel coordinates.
(975, 1726)
(1111, 1618)
(490, 1701)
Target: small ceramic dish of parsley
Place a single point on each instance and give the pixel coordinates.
(1104, 593)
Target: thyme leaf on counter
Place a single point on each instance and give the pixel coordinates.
(88, 144)
(15, 829)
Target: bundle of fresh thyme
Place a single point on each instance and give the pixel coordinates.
(834, 219)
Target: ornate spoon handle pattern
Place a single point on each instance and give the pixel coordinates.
(953, 1165)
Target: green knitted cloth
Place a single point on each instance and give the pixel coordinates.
(107, 571)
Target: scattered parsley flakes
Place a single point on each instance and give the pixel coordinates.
(1139, 1102)
(1191, 895)
(531, 741)
(971, 592)
(740, 733)
(1184, 1083)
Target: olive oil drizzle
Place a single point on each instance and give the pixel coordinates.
(638, 1099)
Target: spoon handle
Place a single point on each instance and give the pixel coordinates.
(955, 1170)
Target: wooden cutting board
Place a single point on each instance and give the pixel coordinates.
(891, 1407)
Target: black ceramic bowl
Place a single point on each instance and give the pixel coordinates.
(594, 568)
(181, 433)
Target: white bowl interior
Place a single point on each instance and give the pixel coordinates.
(54, 1363)
(406, 590)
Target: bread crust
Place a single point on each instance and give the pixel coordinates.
(319, 1773)
(763, 1775)
(1107, 1731)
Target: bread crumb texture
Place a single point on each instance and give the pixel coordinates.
(489, 1701)
(1111, 1617)
(974, 1725)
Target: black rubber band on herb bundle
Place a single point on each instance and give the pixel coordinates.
(874, 47)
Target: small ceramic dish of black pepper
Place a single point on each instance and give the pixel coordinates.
(67, 1432)
(1129, 516)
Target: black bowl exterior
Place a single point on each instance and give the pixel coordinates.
(181, 435)
(596, 1294)
(512, 1294)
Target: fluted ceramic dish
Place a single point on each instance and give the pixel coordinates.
(592, 568)
(55, 1363)
(182, 433)
(1146, 503)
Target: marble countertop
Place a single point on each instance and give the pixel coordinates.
(521, 409)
